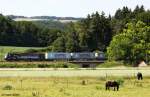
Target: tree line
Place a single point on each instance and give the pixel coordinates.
(96, 31)
(23, 33)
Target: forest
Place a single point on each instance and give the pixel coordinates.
(124, 36)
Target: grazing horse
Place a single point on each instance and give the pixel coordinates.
(114, 84)
(139, 76)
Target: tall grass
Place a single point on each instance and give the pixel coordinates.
(108, 64)
(37, 65)
(72, 87)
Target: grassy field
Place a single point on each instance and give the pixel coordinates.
(71, 87)
(5, 49)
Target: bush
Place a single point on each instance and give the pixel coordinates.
(98, 88)
(64, 65)
(108, 64)
(34, 65)
(83, 82)
(7, 87)
(43, 65)
(120, 81)
(35, 93)
(18, 65)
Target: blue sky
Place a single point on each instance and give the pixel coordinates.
(74, 8)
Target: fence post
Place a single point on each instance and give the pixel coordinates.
(106, 76)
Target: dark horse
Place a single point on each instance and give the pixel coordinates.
(139, 76)
(114, 84)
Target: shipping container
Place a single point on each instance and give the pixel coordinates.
(83, 56)
(57, 56)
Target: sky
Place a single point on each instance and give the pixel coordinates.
(66, 8)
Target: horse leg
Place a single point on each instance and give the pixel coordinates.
(141, 78)
(138, 78)
(114, 88)
(106, 86)
(117, 87)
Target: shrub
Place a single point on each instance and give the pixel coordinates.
(65, 66)
(33, 65)
(35, 93)
(84, 82)
(98, 88)
(120, 81)
(43, 65)
(108, 64)
(7, 87)
(61, 90)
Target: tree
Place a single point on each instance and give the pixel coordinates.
(47, 36)
(138, 10)
(59, 44)
(95, 32)
(144, 17)
(72, 42)
(131, 45)
(83, 31)
(6, 30)
(124, 13)
(27, 33)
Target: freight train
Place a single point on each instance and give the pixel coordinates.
(51, 56)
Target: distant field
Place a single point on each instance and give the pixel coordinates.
(29, 19)
(60, 20)
(5, 49)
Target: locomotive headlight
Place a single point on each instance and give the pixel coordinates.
(71, 54)
(96, 55)
(46, 55)
(5, 56)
